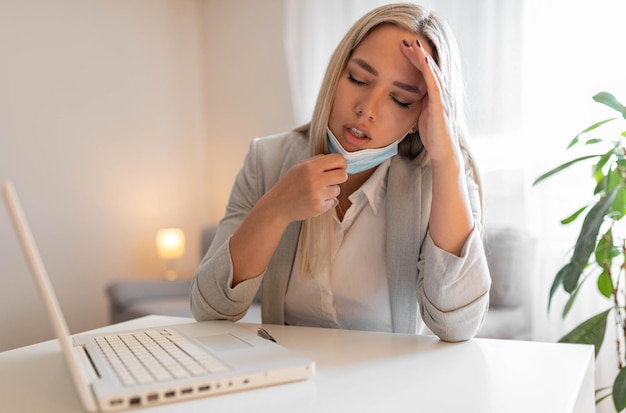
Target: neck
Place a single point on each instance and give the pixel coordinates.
(353, 183)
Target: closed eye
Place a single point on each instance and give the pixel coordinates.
(353, 80)
(401, 104)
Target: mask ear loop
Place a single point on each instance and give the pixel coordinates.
(411, 130)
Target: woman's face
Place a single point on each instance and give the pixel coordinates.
(379, 94)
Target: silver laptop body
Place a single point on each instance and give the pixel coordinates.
(178, 362)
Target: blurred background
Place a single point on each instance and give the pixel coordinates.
(120, 118)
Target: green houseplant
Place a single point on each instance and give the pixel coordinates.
(600, 251)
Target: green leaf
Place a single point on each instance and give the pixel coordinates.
(606, 396)
(604, 159)
(575, 215)
(608, 99)
(611, 178)
(586, 242)
(605, 284)
(556, 283)
(564, 166)
(590, 331)
(606, 250)
(619, 204)
(572, 298)
(619, 390)
(601, 187)
(600, 390)
(589, 129)
(614, 179)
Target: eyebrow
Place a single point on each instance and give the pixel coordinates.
(367, 67)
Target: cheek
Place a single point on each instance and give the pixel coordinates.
(419, 108)
(341, 94)
(403, 123)
(340, 104)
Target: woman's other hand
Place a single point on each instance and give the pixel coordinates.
(308, 189)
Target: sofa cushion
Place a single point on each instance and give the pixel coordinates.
(126, 293)
(506, 323)
(510, 257)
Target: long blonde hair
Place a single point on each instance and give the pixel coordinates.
(317, 237)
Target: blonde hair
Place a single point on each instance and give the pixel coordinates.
(316, 247)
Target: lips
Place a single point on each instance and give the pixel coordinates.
(356, 136)
(357, 133)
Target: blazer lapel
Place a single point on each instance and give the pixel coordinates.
(276, 279)
(404, 189)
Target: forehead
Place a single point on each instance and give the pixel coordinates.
(385, 42)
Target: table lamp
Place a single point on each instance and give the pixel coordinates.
(170, 246)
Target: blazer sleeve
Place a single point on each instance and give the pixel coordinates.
(453, 292)
(267, 160)
(211, 296)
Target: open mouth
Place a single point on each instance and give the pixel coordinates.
(357, 133)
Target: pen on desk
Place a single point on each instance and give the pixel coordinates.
(263, 333)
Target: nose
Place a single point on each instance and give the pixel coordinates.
(369, 105)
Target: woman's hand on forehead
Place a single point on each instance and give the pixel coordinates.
(433, 120)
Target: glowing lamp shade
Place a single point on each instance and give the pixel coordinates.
(170, 243)
(170, 246)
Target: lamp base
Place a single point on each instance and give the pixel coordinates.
(171, 275)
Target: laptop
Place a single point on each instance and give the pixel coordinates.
(181, 361)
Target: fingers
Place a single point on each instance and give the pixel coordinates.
(310, 187)
(332, 173)
(325, 163)
(433, 121)
(420, 58)
(329, 171)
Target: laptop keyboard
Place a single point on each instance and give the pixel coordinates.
(151, 356)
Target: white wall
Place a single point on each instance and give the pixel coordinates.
(247, 90)
(118, 118)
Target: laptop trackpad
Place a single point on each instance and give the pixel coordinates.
(223, 342)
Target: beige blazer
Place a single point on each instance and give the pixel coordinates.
(450, 293)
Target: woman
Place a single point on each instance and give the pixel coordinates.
(369, 216)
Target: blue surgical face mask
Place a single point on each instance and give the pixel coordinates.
(364, 159)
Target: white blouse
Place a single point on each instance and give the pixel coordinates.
(354, 293)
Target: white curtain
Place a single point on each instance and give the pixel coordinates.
(313, 28)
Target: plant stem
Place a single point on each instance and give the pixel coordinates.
(619, 320)
(621, 313)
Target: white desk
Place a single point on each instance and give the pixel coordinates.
(356, 372)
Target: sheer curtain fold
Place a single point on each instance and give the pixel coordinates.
(313, 28)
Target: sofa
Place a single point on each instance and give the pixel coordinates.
(510, 257)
